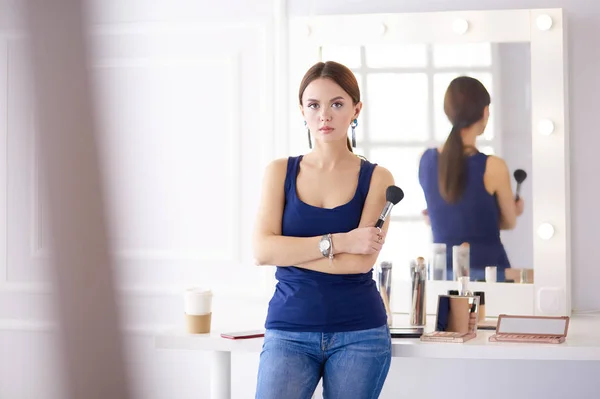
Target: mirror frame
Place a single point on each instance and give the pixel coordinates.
(544, 30)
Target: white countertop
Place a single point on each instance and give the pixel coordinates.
(583, 343)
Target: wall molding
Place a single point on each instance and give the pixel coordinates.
(232, 63)
(259, 30)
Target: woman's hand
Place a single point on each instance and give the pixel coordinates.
(360, 241)
(425, 214)
(520, 206)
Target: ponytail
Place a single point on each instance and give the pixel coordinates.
(464, 104)
(452, 168)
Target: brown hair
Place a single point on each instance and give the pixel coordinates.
(337, 72)
(464, 105)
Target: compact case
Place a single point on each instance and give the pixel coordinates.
(531, 329)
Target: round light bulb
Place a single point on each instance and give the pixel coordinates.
(381, 29)
(546, 127)
(544, 22)
(545, 231)
(460, 26)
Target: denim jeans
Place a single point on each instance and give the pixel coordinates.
(352, 364)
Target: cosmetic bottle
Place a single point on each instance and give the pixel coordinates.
(437, 262)
(481, 296)
(383, 281)
(418, 275)
(461, 261)
(464, 286)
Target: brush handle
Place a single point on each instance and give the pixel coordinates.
(517, 196)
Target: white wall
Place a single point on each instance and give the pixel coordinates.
(141, 117)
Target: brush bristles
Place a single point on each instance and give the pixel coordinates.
(394, 194)
(520, 175)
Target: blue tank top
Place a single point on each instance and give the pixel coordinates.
(475, 218)
(311, 301)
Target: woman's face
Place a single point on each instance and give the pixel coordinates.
(328, 110)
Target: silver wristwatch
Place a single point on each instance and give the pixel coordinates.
(325, 245)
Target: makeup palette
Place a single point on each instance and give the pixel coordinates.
(531, 329)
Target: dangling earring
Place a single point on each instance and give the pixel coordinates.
(353, 126)
(308, 132)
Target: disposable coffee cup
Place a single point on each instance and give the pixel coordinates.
(491, 274)
(198, 310)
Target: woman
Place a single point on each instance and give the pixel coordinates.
(326, 318)
(468, 194)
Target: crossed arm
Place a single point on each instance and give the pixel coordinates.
(271, 248)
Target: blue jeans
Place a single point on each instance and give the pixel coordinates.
(353, 364)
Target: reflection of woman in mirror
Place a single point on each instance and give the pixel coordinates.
(469, 195)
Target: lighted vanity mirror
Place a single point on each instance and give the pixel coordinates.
(404, 63)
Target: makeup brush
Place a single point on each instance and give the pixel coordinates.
(520, 175)
(393, 195)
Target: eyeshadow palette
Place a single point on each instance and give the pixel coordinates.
(456, 319)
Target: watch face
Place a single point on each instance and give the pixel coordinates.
(324, 245)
